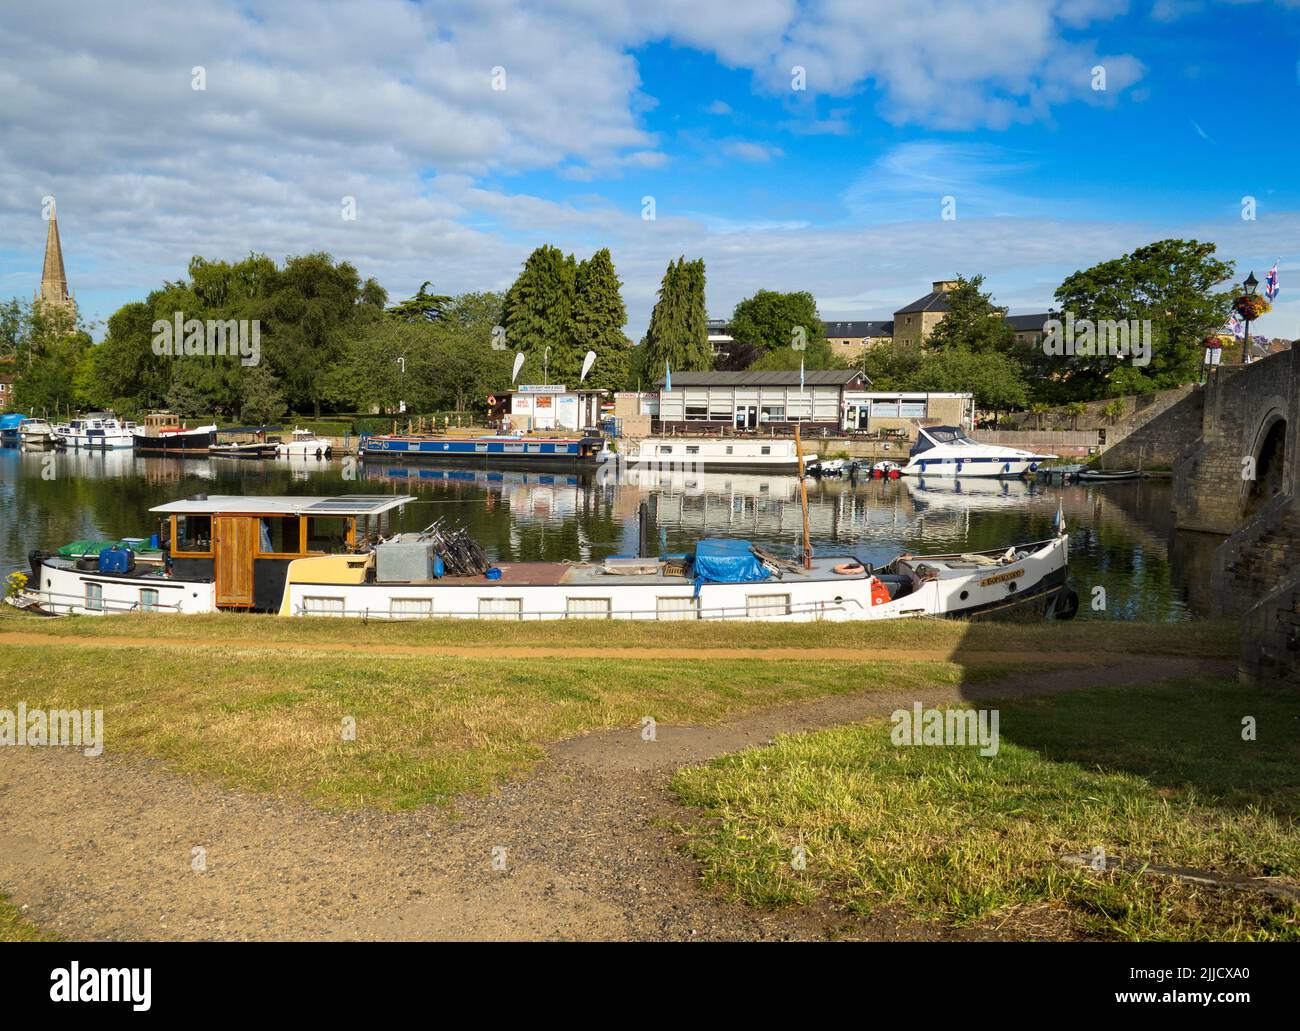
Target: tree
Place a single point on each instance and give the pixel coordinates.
(423, 307)
(1171, 283)
(996, 380)
(260, 399)
(539, 312)
(973, 322)
(783, 328)
(598, 318)
(678, 334)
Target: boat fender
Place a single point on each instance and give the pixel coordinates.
(492, 574)
(879, 592)
(849, 568)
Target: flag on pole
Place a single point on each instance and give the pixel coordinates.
(668, 376)
(801, 375)
(1270, 284)
(1236, 327)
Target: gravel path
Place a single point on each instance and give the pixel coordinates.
(103, 848)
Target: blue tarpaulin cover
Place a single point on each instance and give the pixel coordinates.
(722, 561)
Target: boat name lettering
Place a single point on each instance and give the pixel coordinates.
(1001, 577)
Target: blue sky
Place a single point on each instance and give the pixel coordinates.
(835, 188)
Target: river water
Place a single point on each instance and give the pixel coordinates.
(1122, 536)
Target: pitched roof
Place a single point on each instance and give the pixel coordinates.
(813, 377)
(935, 300)
(869, 328)
(1028, 323)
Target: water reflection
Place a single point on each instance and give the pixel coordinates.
(1122, 539)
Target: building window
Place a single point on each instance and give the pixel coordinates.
(721, 410)
(772, 413)
(697, 412)
(677, 608)
(94, 597)
(410, 608)
(760, 605)
(587, 608)
(148, 599)
(322, 606)
(501, 608)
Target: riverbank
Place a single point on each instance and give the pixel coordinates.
(356, 780)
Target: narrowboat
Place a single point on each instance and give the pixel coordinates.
(721, 454)
(497, 451)
(336, 556)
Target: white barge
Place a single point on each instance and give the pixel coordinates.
(334, 556)
(721, 454)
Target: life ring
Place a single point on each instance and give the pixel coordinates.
(492, 400)
(850, 568)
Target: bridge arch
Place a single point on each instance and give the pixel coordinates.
(1267, 448)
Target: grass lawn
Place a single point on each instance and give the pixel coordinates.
(1202, 638)
(1153, 772)
(13, 928)
(427, 728)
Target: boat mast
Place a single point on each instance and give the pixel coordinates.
(803, 500)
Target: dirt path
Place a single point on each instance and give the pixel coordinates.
(495, 651)
(102, 848)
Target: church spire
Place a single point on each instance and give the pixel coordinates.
(54, 281)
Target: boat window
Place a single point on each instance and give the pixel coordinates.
(322, 607)
(279, 535)
(148, 599)
(767, 605)
(765, 450)
(729, 449)
(501, 608)
(193, 534)
(693, 449)
(677, 608)
(94, 597)
(665, 449)
(327, 533)
(480, 448)
(410, 608)
(587, 608)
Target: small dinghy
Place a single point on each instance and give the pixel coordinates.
(1103, 476)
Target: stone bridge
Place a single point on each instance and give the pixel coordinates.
(1239, 477)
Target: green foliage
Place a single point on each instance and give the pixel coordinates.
(423, 307)
(994, 378)
(678, 333)
(598, 318)
(261, 401)
(539, 314)
(1170, 282)
(973, 322)
(783, 329)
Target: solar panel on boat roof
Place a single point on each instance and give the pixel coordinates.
(358, 501)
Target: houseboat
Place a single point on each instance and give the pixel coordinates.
(336, 556)
(162, 434)
(721, 454)
(948, 451)
(96, 431)
(499, 451)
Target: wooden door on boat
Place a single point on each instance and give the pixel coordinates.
(234, 538)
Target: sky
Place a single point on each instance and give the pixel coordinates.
(794, 146)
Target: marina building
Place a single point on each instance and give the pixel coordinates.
(553, 407)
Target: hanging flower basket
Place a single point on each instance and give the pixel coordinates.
(1251, 306)
(1210, 343)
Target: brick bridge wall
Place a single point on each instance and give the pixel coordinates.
(1172, 423)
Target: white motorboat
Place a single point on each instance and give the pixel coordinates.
(304, 444)
(736, 454)
(949, 451)
(36, 434)
(321, 556)
(98, 430)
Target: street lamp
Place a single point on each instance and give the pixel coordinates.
(546, 361)
(1250, 284)
(401, 384)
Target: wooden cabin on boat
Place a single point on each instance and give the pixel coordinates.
(245, 544)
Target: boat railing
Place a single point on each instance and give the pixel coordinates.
(105, 605)
(818, 608)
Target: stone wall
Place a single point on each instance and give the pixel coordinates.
(1156, 435)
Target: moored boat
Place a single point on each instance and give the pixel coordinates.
(949, 451)
(162, 434)
(1104, 476)
(323, 556)
(496, 451)
(36, 434)
(720, 454)
(96, 431)
(304, 444)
